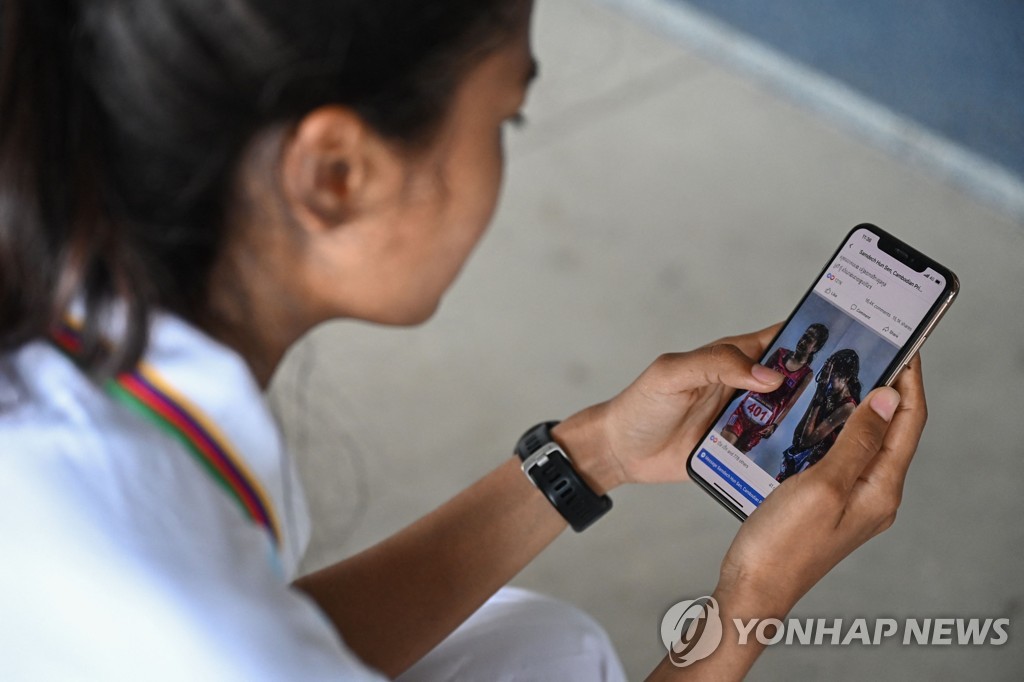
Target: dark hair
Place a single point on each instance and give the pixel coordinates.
(122, 123)
(844, 363)
(820, 334)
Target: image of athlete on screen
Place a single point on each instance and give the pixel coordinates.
(758, 414)
(835, 398)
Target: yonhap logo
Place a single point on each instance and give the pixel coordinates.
(691, 630)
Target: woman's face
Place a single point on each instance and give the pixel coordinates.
(454, 190)
(393, 263)
(808, 343)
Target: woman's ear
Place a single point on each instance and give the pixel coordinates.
(326, 166)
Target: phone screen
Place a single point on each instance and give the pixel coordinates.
(853, 331)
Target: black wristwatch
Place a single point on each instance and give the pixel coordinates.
(549, 467)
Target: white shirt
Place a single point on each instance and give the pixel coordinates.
(120, 556)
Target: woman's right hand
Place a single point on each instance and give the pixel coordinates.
(818, 517)
(811, 522)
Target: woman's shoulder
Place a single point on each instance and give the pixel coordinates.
(46, 406)
(132, 473)
(110, 511)
(59, 430)
(51, 414)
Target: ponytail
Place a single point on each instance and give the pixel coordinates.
(56, 239)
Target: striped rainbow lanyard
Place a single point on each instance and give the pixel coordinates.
(144, 392)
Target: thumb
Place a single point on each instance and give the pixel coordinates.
(861, 439)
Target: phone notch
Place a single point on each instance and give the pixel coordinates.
(903, 253)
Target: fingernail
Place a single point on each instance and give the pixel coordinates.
(884, 402)
(765, 375)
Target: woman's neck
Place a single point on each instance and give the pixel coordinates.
(257, 332)
(256, 304)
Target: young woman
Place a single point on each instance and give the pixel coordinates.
(189, 186)
(834, 401)
(758, 414)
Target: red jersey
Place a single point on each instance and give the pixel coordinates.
(764, 408)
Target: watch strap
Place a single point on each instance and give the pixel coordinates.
(548, 466)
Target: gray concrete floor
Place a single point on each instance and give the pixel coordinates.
(656, 202)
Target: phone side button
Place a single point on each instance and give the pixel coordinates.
(917, 348)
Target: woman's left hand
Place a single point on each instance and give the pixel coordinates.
(644, 434)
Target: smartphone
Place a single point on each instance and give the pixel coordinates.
(869, 310)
